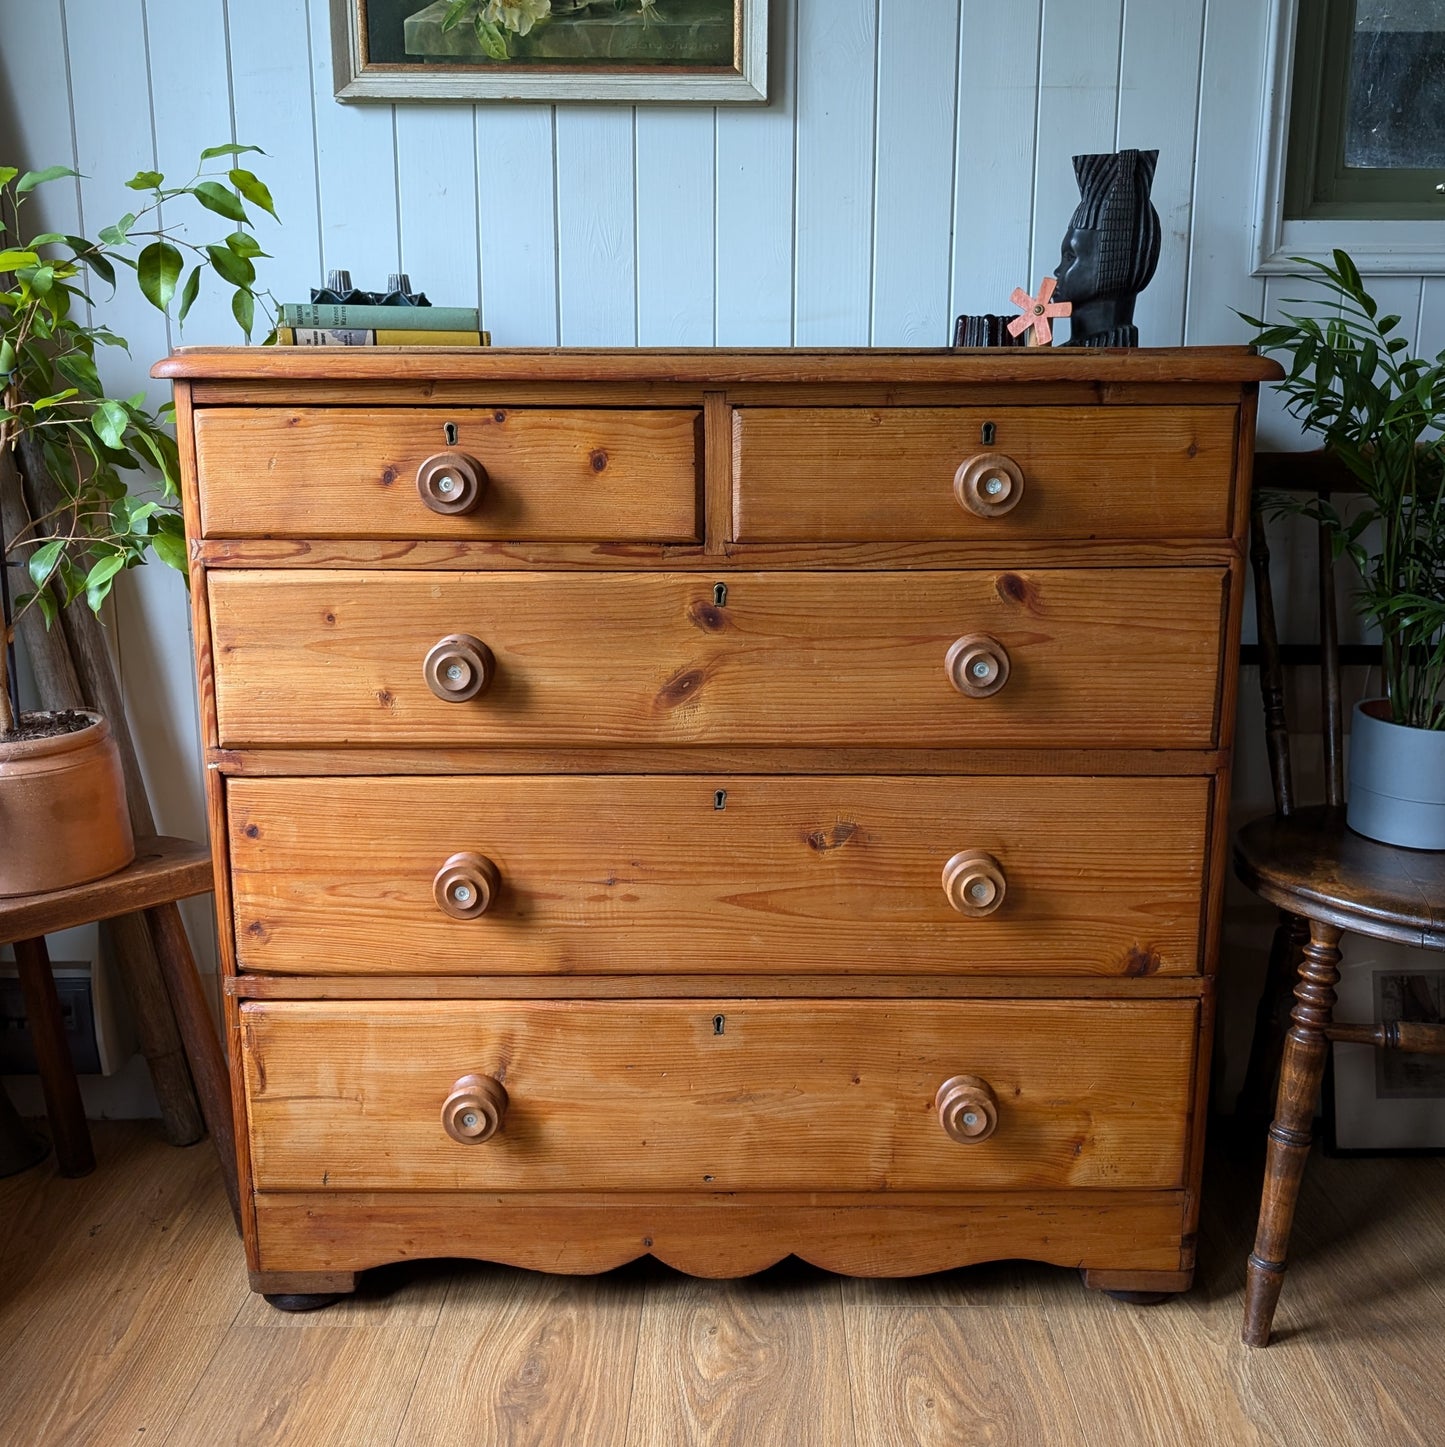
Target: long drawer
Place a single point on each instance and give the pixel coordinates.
(717, 1096)
(897, 474)
(1063, 658)
(547, 475)
(717, 874)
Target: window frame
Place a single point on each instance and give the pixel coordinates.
(1413, 245)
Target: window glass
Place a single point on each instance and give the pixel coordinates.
(1396, 110)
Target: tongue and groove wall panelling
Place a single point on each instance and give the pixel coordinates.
(1078, 100)
(993, 188)
(119, 120)
(1231, 98)
(913, 180)
(676, 225)
(597, 225)
(1158, 110)
(517, 216)
(356, 178)
(756, 204)
(270, 89)
(436, 179)
(837, 102)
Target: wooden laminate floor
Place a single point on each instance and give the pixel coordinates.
(125, 1317)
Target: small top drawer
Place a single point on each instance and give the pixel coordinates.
(919, 474)
(519, 474)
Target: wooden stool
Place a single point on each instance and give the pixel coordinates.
(164, 870)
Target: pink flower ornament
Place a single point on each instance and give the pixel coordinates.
(1037, 310)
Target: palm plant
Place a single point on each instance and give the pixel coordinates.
(1378, 409)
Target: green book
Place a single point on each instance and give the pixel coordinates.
(380, 318)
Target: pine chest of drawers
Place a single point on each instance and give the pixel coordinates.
(718, 804)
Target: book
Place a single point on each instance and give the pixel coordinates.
(386, 318)
(380, 337)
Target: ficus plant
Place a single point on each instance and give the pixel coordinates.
(1379, 410)
(103, 453)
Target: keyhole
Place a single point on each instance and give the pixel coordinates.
(720, 799)
(986, 435)
(720, 595)
(450, 429)
(719, 1022)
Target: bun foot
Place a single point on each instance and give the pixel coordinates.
(1137, 1288)
(302, 1300)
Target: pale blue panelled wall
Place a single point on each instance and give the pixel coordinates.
(913, 162)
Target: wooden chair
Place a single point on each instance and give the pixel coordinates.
(1325, 880)
(164, 870)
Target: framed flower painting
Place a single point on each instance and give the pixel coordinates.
(711, 51)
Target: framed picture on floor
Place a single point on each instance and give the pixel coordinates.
(710, 51)
(1385, 1100)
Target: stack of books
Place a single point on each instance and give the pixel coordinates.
(333, 324)
(340, 315)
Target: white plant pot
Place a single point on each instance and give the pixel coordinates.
(1397, 780)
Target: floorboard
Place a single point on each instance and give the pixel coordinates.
(125, 1316)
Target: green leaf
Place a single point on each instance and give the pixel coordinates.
(101, 266)
(190, 291)
(171, 550)
(455, 11)
(78, 368)
(238, 270)
(254, 190)
(31, 179)
(215, 197)
(109, 421)
(47, 607)
(145, 181)
(44, 560)
(7, 357)
(98, 581)
(55, 399)
(157, 269)
(8, 174)
(243, 308)
(244, 244)
(11, 260)
(211, 152)
(39, 278)
(118, 234)
(493, 42)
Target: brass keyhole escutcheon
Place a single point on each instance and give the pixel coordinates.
(719, 1024)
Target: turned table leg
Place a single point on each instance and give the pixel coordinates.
(1289, 1137)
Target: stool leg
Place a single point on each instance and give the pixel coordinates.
(63, 1106)
(1289, 1137)
(198, 1035)
(1251, 1109)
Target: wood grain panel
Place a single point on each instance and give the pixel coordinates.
(1098, 658)
(312, 472)
(838, 474)
(738, 1363)
(801, 874)
(729, 1235)
(663, 1095)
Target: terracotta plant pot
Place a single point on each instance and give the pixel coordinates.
(1397, 779)
(63, 815)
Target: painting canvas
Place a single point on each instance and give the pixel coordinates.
(632, 50)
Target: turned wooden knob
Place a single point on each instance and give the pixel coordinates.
(451, 482)
(977, 665)
(458, 667)
(989, 485)
(974, 883)
(466, 885)
(967, 1108)
(475, 1109)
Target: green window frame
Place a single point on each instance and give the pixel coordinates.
(1318, 184)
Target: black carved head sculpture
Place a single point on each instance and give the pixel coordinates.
(1111, 249)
